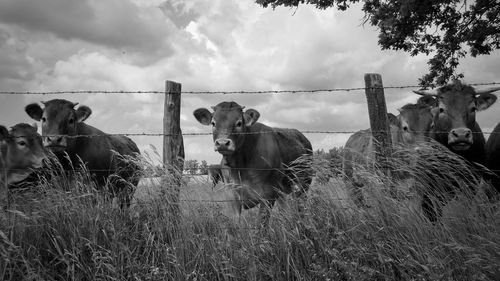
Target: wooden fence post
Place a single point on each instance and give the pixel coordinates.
(173, 145)
(379, 123)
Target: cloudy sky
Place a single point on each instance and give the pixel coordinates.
(217, 45)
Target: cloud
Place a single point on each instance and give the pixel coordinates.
(219, 45)
(142, 31)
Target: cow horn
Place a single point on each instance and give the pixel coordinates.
(213, 108)
(425, 93)
(35, 126)
(487, 91)
(243, 107)
(43, 102)
(75, 104)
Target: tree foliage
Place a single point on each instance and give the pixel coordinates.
(204, 167)
(447, 30)
(191, 166)
(328, 164)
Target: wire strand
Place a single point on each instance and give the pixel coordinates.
(210, 133)
(313, 91)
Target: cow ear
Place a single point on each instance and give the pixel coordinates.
(427, 101)
(203, 115)
(484, 101)
(82, 113)
(251, 116)
(34, 110)
(393, 120)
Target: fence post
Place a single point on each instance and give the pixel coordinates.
(173, 145)
(379, 123)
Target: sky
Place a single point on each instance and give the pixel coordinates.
(217, 45)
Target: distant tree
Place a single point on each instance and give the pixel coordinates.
(443, 29)
(327, 164)
(191, 166)
(335, 157)
(204, 167)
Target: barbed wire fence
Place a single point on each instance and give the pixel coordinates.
(172, 134)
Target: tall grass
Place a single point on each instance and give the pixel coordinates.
(61, 233)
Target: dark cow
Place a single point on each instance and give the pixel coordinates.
(103, 155)
(493, 156)
(218, 173)
(455, 127)
(21, 151)
(409, 128)
(264, 162)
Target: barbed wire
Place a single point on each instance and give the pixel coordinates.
(169, 203)
(312, 91)
(235, 133)
(300, 168)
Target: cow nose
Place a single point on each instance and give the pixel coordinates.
(222, 144)
(461, 135)
(54, 140)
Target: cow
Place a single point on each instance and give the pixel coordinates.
(218, 173)
(105, 156)
(410, 127)
(264, 162)
(454, 108)
(21, 151)
(493, 157)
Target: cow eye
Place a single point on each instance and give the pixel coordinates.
(441, 110)
(405, 128)
(21, 143)
(473, 109)
(239, 123)
(44, 119)
(213, 123)
(71, 120)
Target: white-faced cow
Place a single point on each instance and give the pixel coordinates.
(455, 127)
(64, 132)
(21, 151)
(409, 128)
(493, 156)
(264, 162)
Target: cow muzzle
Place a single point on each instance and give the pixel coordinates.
(460, 139)
(55, 143)
(39, 161)
(224, 146)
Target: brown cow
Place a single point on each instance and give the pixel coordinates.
(409, 128)
(265, 162)
(455, 127)
(64, 131)
(21, 151)
(493, 156)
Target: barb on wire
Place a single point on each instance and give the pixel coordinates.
(313, 91)
(209, 134)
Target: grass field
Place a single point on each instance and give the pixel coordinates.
(53, 234)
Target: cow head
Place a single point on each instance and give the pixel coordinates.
(21, 150)
(454, 112)
(415, 122)
(229, 124)
(59, 119)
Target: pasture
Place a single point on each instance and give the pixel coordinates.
(65, 230)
